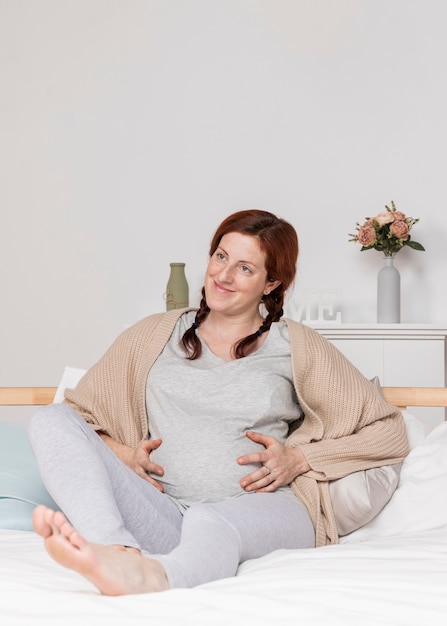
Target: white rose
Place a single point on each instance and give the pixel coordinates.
(384, 218)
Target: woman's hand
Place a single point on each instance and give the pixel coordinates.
(138, 459)
(283, 464)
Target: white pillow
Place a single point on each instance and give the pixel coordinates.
(359, 497)
(420, 501)
(70, 378)
(415, 429)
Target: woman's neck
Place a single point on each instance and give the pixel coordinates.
(221, 333)
(230, 327)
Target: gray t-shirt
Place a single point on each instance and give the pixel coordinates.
(202, 409)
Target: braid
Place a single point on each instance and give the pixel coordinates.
(191, 343)
(273, 303)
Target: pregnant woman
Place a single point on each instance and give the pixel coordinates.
(206, 437)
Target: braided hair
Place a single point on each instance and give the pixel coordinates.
(279, 242)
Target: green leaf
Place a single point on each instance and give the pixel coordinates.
(414, 245)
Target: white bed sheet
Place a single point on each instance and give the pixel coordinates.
(400, 581)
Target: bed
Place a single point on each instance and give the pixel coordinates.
(391, 571)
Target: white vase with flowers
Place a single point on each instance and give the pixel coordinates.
(388, 232)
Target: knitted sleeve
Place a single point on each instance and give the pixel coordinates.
(111, 396)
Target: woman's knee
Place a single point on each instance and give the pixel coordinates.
(50, 418)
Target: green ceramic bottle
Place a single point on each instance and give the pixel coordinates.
(177, 290)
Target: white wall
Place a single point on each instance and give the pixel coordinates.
(130, 128)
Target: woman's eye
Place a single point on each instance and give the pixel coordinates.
(246, 269)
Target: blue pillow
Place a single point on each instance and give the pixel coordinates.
(21, 488)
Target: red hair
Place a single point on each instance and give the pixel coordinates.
(277, 239)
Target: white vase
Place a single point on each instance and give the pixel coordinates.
(388, 293)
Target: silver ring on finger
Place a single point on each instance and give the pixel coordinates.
(267, 470)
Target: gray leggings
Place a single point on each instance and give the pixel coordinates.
(109, 504)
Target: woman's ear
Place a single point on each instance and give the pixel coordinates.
(270, 286)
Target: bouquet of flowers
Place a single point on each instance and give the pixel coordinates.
(387, 232)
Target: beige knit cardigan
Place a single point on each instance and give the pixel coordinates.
(347, 425)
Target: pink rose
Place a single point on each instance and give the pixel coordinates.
(384, 218)
(366, 235)
(400, 229)
(399, 216)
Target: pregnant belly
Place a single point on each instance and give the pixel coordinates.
(204, 473)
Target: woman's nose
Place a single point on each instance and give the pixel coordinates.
(226, 274)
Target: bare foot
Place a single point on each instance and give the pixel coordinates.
(114, 570)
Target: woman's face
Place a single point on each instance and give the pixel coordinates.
(236, 278)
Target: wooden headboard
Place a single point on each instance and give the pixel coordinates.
(401, 397)
(26, 396)
(404, 397)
